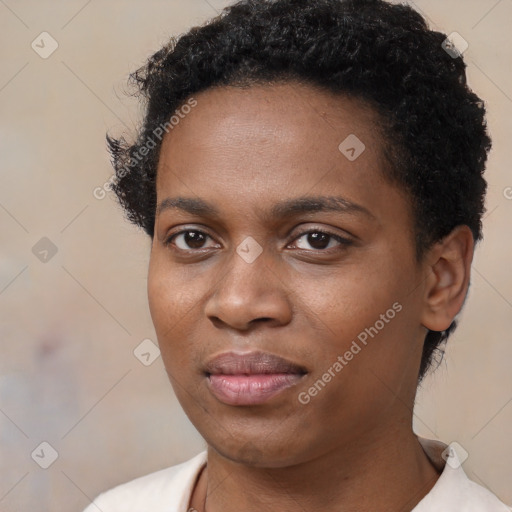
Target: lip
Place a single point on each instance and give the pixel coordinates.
(250, 378)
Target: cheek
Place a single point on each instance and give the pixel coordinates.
(362, 312)
(173, 303)
(171, 293)
(348, 299)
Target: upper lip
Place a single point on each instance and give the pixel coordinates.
(251, 363)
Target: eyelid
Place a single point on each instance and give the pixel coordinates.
(322, 229)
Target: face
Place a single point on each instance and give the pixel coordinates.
(289, 327)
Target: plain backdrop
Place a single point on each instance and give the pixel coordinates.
(73, 304)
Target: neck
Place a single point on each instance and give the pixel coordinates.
(390, 472)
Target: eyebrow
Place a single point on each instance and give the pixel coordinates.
(283, 209)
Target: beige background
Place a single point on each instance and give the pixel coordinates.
(68, 326)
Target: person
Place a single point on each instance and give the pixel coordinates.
(310, 174)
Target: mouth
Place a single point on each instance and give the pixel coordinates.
(250, 378)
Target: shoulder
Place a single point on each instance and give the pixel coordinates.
(454, 491)
(167, 489)
(477, 498)
(463, 494)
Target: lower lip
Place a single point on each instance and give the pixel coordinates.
(250, 389)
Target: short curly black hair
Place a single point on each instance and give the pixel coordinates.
(433, 125)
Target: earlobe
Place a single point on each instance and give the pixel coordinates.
(448, 273)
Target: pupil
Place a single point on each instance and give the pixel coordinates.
(313, 240)
(193, 237)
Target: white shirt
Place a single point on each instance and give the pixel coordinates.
(170, 489)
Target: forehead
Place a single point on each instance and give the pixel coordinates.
(254, 145)
(281, 112)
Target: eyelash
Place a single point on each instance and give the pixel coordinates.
(344, 242)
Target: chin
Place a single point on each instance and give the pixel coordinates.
(260, 452)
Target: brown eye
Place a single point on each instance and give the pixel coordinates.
(321, 240)
(188, 239)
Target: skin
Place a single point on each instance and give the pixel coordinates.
(352, 446)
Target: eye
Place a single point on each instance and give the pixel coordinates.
(321, 240)
(188, 239)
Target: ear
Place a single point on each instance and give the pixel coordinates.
(448, 272)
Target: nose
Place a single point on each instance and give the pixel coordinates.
(248, 294)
